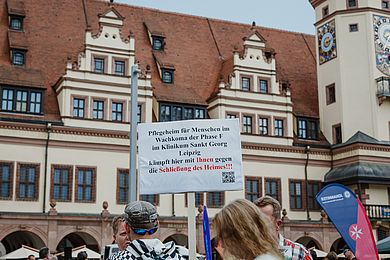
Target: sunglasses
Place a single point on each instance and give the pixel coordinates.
(142, 231)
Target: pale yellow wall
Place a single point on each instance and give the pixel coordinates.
(378, 195)
(354, 73)
(357, 90)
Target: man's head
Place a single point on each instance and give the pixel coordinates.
(119, 232)
(141, 219)
(44, 253)
(31, 257)
(348, 254)
(82, 255)
(271, 208)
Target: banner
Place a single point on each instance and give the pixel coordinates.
(350, 219)
(189, 156)
(206, 235)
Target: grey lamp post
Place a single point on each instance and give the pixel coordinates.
(307, 151)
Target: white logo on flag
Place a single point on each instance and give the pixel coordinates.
(355, 232)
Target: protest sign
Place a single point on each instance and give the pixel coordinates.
(189, 156)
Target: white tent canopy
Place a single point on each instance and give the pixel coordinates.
(320, 253)
(22, 252)
(90, 253)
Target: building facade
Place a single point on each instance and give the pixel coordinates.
(306, 104)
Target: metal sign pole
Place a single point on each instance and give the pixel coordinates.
(132, 192)
(191, 225)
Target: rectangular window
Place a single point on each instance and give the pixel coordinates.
(307, 128)
(117, 111)
(263, 86)
(61, 183)
(151, 198)
(230, 116)
(78, 107)
(119, 67)
(245, 83)
(16, 23)
(337, 134)
(353, 27)
(263, 126)
(200, 113)
(385, 4)
(27, 182)
(122, 186)
(176, 112)
(139, 114)
(98, 65)
(215, 199)
(165, 113)
(85, 184)
(35, 102)
(167, 76)
(252, 188)
(199, 199)
(330, 94)
(7, 100)
(352, 3)
(247, 124)
(98, 110)
(278, 127)
(325, 11)
(313, 187)
(18, 57)
(272, 188)
(188, 113)
(296, 194)
(6, 180)
(21, 101)
(158, 43)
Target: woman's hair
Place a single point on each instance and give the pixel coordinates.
(331, 256)
(244, 231)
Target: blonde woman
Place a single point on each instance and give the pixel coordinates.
(244, 232)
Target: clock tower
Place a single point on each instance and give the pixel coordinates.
(353, 67)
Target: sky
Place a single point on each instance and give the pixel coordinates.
(291, 15)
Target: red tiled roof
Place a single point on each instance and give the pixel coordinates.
(196, 46)
(17, 40)
(15, 7)
(20, 76)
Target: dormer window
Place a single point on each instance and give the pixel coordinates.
(21, 100)
(16, 23)
(98, 65)
(18, 57)
(167, 76)
(158, 43)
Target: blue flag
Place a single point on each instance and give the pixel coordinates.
(350, 219)
(206, 234)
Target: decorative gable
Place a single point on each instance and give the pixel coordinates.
(255, 39)
(111, 16)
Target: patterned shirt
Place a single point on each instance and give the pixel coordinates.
(143, 249)
(293, 251)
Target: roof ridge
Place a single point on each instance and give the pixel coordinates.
(209, 18)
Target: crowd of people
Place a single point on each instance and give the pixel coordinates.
(244, 230)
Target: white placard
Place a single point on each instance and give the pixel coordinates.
(189, 156)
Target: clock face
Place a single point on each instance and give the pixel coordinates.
(327, 42)
(381, 25)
